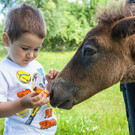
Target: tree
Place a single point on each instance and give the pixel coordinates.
(67, 23)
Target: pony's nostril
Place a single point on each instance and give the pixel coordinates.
(51, 94)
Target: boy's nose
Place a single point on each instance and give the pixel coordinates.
(30, 55)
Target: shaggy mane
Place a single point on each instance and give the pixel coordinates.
(114, 10)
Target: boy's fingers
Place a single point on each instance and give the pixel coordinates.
(57, 72)
(50, 75)
(33, 94)
(47, 101)
(53, 72)
(47, 76)
(36, 97)
(43, 99)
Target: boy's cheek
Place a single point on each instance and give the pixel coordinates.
(35, 56)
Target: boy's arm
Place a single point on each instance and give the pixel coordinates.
(31, 100)
(10, 108)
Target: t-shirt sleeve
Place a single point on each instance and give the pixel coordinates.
(3, 88)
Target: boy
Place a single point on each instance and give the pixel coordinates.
(27, 111)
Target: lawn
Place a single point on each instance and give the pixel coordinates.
(103, 114)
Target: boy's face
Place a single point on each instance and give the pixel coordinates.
(25, 49)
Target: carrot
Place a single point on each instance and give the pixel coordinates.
(38, 90)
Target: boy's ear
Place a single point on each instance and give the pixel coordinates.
(5, 39)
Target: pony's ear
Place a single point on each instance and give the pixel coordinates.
(123, 28)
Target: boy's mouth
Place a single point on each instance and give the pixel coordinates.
(27, 60)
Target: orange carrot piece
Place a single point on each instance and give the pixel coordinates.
(38, 90)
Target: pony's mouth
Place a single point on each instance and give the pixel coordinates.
(66, 104)
(61, 105)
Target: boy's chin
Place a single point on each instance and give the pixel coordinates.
(23, 63)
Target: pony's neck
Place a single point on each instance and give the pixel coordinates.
(129, 75)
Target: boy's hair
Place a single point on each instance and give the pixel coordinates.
(24, 19)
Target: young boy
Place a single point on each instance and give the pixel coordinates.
(26, 111)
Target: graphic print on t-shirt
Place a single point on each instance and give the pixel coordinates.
(23, 76)
(38, 80)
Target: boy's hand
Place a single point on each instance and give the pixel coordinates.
(50, 77)
(34, 100)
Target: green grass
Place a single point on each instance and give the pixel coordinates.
(103, 114)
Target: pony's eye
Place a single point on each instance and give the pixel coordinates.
(88, 51)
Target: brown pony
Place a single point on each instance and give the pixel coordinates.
(105, 57)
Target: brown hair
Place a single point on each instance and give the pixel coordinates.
(24, 19)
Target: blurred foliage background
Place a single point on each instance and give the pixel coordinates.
(67, 22)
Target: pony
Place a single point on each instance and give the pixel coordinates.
(105, 57)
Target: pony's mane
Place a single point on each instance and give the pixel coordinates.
(114, 10)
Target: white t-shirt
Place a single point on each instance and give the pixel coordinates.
(15, 82)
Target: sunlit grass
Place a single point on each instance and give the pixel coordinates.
(103, 114)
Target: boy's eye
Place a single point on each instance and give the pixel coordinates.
(24, 48)
(36, 50)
